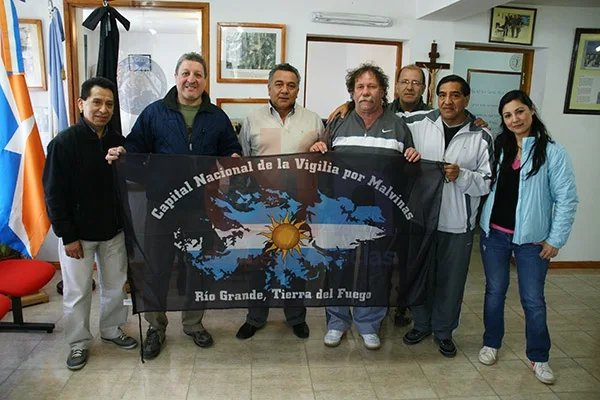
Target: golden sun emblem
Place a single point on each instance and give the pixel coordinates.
(285, 236)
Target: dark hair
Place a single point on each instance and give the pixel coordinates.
(86, 87)
(284, 67)
(507, 143)
(414, 67)
(192, 56)
(465, 89)
(381, 77)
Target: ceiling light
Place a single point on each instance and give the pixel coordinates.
(152, 31)
(351, 19)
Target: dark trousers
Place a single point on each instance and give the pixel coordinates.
(441, 311)
(165, 260)
(258, 316)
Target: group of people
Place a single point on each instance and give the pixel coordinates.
(513, 23)
(527, 177)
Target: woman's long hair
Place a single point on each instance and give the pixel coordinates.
(507, 143)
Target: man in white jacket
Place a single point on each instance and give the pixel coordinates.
(449, 135)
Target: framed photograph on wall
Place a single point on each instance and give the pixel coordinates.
(32, 47)
(238, 109)
(583, 86)
(512, 25)
(246, 52)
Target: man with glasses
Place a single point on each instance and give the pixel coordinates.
(411, 85)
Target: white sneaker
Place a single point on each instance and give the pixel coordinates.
(371, 341)
(543, 372)
(333, 337)
(488, 355)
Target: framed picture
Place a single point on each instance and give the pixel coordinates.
(32, 47)
(238, 109)
(583, 86)
(246, 52)
(512, 25)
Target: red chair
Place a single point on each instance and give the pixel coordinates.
(4, 305)
(20, 278)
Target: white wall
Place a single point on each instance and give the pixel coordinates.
(580, 134)
(553, 41)
(328, 63)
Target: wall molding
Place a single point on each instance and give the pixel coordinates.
(574, 264)
(568, 264)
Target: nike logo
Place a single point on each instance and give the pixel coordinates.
(386, 130)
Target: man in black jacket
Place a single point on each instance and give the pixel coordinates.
(86, 215)
(184, 122)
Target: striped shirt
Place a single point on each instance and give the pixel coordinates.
(388, 134)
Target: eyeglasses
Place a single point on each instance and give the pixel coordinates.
(405, 82)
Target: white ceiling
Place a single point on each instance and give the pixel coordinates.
(455, 10)
(559, 3)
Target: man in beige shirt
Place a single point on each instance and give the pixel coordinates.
(281, 127)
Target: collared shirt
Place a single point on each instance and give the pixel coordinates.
(265, 133)
(275, 113)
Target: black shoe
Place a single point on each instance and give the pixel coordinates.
(301, 330)
(152, 344)
(447, 347)
(77, 359)
(246, 331)
(201, 338)
(414, 336)
(402, 317)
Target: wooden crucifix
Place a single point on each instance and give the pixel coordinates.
(433, 67)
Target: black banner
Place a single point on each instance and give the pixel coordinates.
(302, 229)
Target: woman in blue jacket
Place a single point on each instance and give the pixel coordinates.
(529, 213)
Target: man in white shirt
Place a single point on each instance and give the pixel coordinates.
(281, 127)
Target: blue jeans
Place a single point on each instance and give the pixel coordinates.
(496, 249)
(366, 319)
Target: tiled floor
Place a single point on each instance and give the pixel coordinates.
(276, 365)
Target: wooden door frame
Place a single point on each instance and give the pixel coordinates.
(528, 54)
(70, 25)
(317, 38)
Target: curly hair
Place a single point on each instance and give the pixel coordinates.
(381, 77)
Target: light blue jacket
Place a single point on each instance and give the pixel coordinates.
(552, 187)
